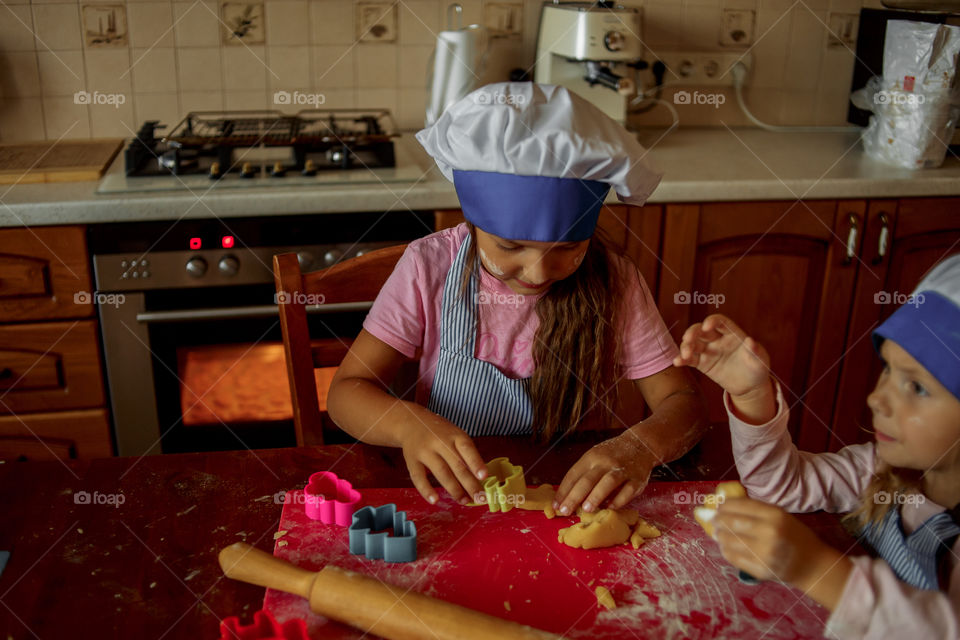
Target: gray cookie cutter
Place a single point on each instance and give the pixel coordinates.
(367, 535)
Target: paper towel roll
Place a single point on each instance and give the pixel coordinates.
(455, 69)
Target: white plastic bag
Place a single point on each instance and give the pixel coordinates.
(916, 104)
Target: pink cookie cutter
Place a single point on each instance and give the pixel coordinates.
(264, 627)
(329, 499)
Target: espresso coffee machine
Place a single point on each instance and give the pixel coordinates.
(591, 49)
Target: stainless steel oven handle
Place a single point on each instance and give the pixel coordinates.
(254, 311)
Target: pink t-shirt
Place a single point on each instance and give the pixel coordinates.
(406, 316)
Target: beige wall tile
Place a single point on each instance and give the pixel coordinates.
(57, 26)
(377, 66)
(21, 77)
(154, 70)
(662, 25)
(419, 21)
(245, 69)
(64, 117)
(200, 101)
(199, 69)
(21, 119)
(287, 22)
(289, 68)
(769, 51)
(701, 26)
(164, 107)
(808, 38)
(798, 107)
(411, 109)
(377, 99)
(334, 67)
(339, 98)
(196, 24)
(414, 66)
(16, 28)
(151, 24)
(234, 100)
(332, 22)
(110, 122)
(61, 73)
(108, 70)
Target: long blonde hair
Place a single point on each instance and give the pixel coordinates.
(880, 495)
(577, 345)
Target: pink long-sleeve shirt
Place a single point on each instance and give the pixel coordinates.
(875, 603)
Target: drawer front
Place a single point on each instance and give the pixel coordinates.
(64, 435)
(50, 366)
(44, 274)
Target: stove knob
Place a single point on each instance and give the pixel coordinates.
(246, 170)
(229, 266)
(332, 256)
(305, 258)
(196, 267)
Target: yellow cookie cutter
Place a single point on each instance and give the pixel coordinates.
(504, 483)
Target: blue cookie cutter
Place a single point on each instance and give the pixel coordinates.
(367, 535)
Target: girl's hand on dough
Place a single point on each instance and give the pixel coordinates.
(617, 469)
(448, 453)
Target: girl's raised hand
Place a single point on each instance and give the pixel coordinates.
(722, 351)
(447, 452)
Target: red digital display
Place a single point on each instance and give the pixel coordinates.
(196, 243)
(226, 242)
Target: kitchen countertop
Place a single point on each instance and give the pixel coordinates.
(145, 565)
(699, 165)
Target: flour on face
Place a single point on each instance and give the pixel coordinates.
(490, 264)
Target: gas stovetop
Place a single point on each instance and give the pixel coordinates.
(244, 149)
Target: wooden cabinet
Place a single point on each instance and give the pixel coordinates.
(902, 241)
(51, 376)
(783, 272)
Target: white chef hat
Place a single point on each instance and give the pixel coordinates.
(535, 161)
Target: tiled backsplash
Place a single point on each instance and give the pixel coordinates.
(99, 68)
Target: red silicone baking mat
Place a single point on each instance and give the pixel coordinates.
(510, 565)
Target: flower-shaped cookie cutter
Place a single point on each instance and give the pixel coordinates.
(330, 499)
(368, 536)
(264, 626)
(505, 485)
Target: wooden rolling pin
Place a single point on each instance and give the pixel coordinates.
(368, 604)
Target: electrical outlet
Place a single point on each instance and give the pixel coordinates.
(502, 18)
(377, 22)
(843, 29)
(736, 27)
(701, 69)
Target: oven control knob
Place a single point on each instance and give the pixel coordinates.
(196, 267)
(229, 266)
(332, 256)
(305, 258)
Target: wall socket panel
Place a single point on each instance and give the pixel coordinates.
(699, 69)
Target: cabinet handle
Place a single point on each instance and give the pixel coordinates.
(884, 240)
(5, 373)
(851, 239)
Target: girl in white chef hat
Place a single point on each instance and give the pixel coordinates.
(902, 491)
(523, 322)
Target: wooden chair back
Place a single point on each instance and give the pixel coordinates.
(351, 285)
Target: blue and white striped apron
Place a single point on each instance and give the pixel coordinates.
(471, 393)
(915, 557)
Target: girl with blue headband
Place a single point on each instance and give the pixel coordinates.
(522, 320)
(902, 491)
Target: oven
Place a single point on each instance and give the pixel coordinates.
(190, 329)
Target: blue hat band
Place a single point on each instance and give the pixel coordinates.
(532, 208)
(928, 328)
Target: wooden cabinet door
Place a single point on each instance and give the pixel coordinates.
(782, 271)
(48, 436)
(44, 274)
(903, 241)
(49, 367)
